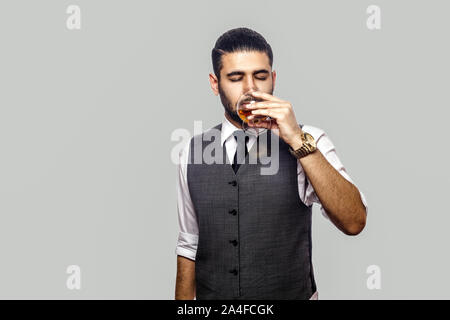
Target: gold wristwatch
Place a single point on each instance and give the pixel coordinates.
(308, 146)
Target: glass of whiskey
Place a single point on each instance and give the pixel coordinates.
(241, 109)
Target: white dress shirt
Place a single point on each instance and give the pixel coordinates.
(188, 235)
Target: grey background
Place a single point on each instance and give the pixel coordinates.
(86, 116)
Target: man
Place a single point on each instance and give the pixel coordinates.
(244, 235)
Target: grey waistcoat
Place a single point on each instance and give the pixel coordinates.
(254, 230)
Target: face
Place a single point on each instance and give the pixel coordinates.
(242, 71)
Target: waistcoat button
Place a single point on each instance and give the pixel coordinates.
(233, 212)
(234, 271)
(234, 242)
(233, 183)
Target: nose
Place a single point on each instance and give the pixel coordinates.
(250, 84)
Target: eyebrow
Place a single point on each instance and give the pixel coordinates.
(241, 73)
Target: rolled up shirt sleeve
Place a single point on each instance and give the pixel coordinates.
(326, 147)
(187, 219)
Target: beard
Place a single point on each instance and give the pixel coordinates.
(228, 106)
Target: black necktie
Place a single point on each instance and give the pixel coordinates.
(241, 150)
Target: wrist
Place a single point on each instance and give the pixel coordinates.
(297, 142)
(303, 146)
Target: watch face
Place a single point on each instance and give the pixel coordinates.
(310, 139)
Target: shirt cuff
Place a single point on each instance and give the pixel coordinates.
(187, 245)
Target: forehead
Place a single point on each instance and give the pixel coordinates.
(245, 61)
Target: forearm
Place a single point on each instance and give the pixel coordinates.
(185, 282)
(338, 196)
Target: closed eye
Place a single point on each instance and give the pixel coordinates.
(236, 80)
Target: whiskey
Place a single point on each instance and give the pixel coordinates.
(244, 113)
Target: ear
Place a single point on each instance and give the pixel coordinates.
(274, 78)
(214, 83)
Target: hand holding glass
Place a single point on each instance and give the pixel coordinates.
(241, 108)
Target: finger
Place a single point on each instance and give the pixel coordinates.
(273, 113)
(266, 104)
(266, 96)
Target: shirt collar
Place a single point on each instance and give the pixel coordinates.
(228, 128)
